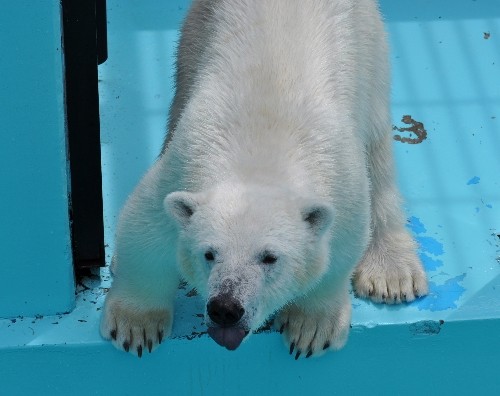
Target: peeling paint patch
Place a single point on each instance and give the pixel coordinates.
(429, 263)
(474, 180)
(496, 243)
(189, 337)
(429, 246)
(442, 297)
(484, 205)
(426, 327)
(416, 225)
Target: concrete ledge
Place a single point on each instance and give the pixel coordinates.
(64, 354)
(451, 358)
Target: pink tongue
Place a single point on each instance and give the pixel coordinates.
(229, 337)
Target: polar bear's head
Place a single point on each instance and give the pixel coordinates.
(249, 250)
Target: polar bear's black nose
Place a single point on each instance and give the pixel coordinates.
(224, 310)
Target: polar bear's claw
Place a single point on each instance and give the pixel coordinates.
(132, 329)
(312, 333)
(391, 272)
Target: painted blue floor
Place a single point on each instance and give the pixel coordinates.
(446, 76)
(446, 73)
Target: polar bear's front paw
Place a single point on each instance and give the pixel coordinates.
(134, 330)
(391, 272)
(311, 334)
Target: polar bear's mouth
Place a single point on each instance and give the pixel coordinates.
(228, 337)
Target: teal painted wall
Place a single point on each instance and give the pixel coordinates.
(36, 276)
(460, 359)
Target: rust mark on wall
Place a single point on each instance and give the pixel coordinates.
(416, 130)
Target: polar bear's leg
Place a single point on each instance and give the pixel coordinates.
(390, 270)
(138, 310)
(316, 323)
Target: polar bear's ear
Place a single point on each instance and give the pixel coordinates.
(181, 205)
(319, 217)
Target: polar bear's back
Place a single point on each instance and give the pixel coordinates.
(262, 82)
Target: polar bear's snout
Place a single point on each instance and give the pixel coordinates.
(226, 313)
(225, 310)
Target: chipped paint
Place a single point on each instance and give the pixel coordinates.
(496, 243)
(426, 327)
(474, 180)
(441, 296)
(430, 264)
(416, 225)
(429, 247)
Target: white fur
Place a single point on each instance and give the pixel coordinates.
(279, 141)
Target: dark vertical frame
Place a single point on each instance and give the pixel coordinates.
(85, 45)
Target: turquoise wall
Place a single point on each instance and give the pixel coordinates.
(36, 275)
(460, 359)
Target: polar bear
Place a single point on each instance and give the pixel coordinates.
(275, 187)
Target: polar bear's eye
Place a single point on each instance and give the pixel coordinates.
(209, 255)
(269, 258)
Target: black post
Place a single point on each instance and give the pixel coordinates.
(101, 31)
(81, 55)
